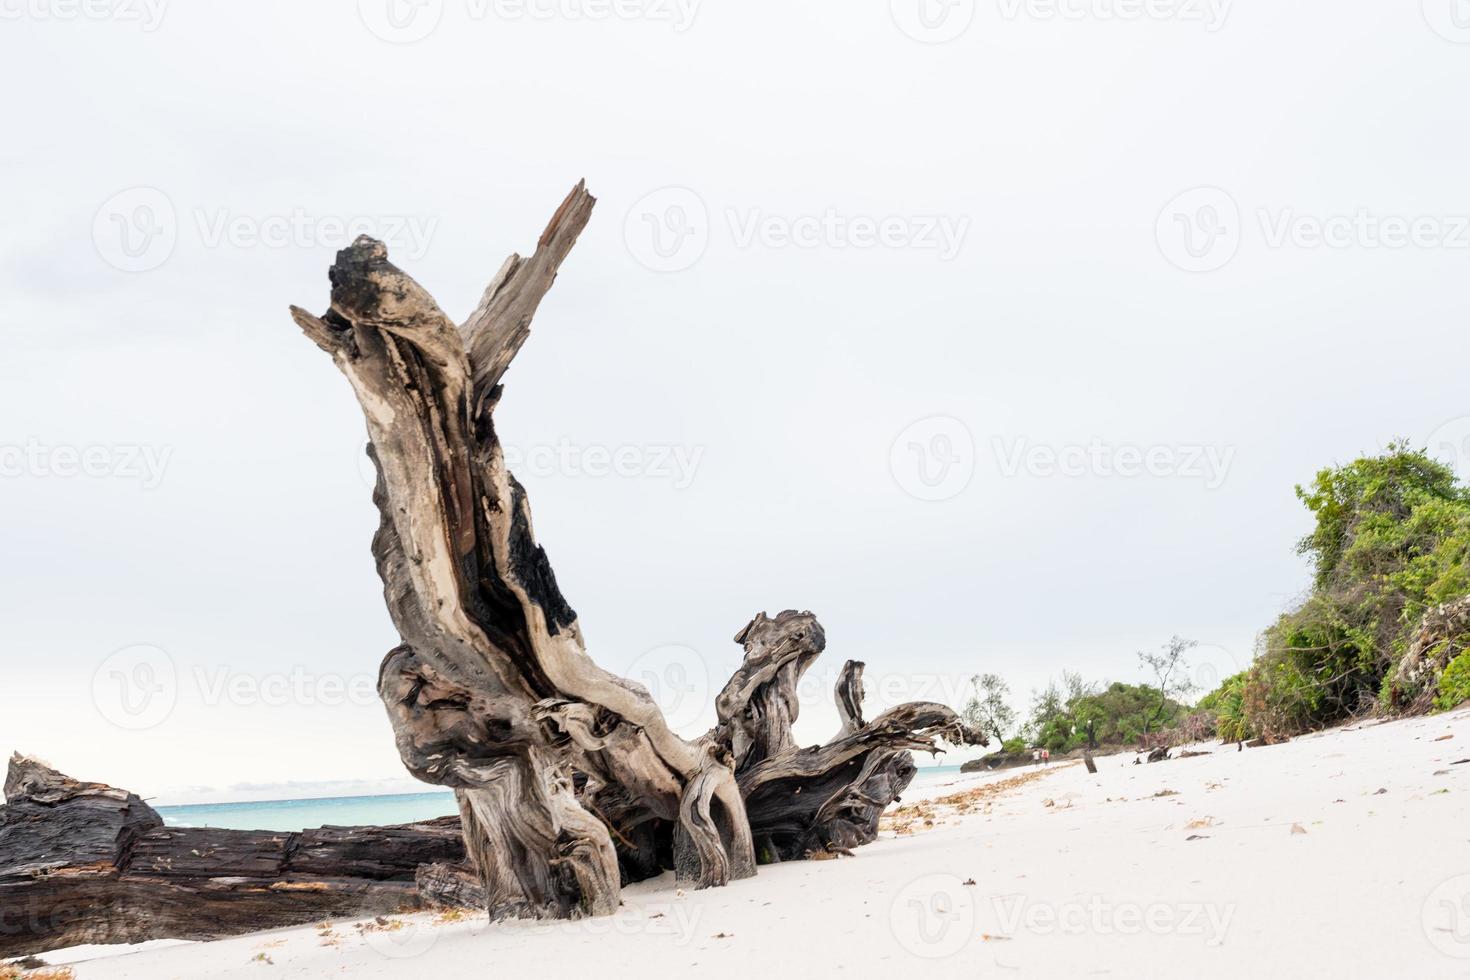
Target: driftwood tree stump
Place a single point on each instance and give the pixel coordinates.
(569, 780)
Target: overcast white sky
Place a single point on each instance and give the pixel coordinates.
(876, 303)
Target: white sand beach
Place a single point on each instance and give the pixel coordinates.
(1337, 854)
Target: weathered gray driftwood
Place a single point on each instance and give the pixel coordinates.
(90, 863)
(569, 780)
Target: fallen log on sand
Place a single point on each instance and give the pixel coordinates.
(90, 863)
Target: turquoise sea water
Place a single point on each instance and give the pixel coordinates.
(341, 811)
(350, 811)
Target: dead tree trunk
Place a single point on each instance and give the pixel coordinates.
(89, 863)
(568, 777)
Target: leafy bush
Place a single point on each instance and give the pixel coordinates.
(1118, 714)
(1391, 540)
(1454, 684)
(1227, 704)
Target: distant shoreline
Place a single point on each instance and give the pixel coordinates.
(303, 799)
(374, 809)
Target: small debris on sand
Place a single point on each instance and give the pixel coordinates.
(915, 816)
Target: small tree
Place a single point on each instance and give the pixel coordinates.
(988, 709)
(1074, 688)
(1170, 670)
(1049, 726)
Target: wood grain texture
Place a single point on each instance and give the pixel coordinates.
(570, 781)
(89, 863)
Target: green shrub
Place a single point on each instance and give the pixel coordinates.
(1392, 539)
(1226, 703)
(1454, 683)
(1118, 714)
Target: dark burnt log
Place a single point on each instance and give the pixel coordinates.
(451, 886)
(90, 863)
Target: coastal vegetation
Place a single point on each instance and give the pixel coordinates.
(1386, 623)
(1384, 629)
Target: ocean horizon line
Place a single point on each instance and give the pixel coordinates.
(303, 802)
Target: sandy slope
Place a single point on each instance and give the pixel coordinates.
(1075, 875)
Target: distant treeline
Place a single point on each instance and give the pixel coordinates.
(1385, 630)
